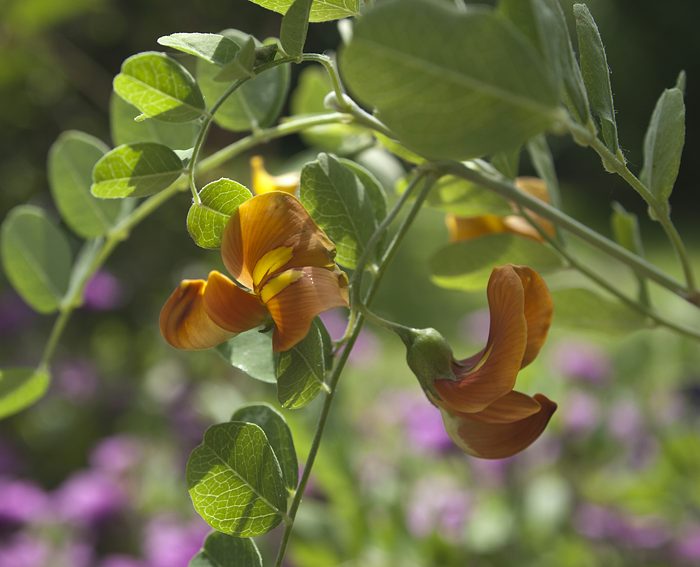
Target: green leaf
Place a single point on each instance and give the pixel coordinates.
(278, 435)
(301, 371)
(36, 257)
(241, 65)
(467, 265)
(663, 144)
(251, 352)
(625, 228)
(258, 102)
(339, 202)
(321, 10)
(596, 75)
(159, 87)
(543, 162)
(206, 220)
(585, 310)
(235, 481)
(307, 98)
(544, 24)
(212, 47)
(221, 550)
(449, 83)
(71, 159)
(464, 198)
(125, 129)
(20, 388)
(295, 25)
(135, 170)
(507, 162)
(373, 188)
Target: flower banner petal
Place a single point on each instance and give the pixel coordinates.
(539, 309)
(230, 307)
(514, 406)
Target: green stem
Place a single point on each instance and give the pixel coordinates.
(342, 360)
(333, 75)
(508, 191)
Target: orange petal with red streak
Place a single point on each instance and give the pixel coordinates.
(184, 322)
(230, 307)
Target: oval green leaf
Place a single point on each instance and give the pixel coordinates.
(36, 257)
(251, 352)
(71, 160)
(212, 47)
(219, 200)
(159, 87)
(20, 388)
(278, 435)
(295, 25)
(449, 83)
(135, 170)
(461, 197)
(467, 265)
(585, 310)
(301, 370)
(235, 481)
(221, 550)
(321, 10)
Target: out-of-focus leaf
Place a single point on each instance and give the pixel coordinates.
(461, 197)
(206, 220)
(625, 228)
(295, 25)
(135, 170)
(71, 159)
(449, 83)
(467, 265)
(507, 162)
(251, 352)
(321, 10)
(235, 481)
(278, 435)
(20, 388)
(585, 310)
(212, 47)
(543, 162)
(36, 257)
(241, 65)
(221, 550)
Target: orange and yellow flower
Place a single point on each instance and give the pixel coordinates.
(284, 273)
(465, 228)
(264, 182)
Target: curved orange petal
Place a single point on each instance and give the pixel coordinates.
(537, 188)
(514, 406)
(466, 228)
(539, 308)
(533, 186)
(498, 440)
(263, 182)
(184, 322)
(230, 307)
(494, 375)
(267, 222)
(299, 296)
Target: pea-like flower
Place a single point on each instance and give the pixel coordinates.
(482, 412)
(263, 182)
(284, 273)
(465, 228)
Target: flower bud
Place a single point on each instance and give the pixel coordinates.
(429, 356)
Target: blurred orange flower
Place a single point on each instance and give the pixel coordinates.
(466, 228)
(263, 182)
(284, 271)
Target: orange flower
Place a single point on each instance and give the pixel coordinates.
(482, 413)
(466, 228)
(284, 269)
(264, 182)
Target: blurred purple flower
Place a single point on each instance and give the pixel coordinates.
(643, 532)
(598, 522)
(626, 421)
(103, 292)
(77, 554)
(438, 505)
(21, 502)
(424, 427)
(121, 561)
(687, 545)
(90, 497)
(77, 380)
(475, 326)
(116, 455)
(366, 349)
(491, 472)
(581, 413)
(170, 543)
(15, 315)
(582, 361)
(10, 461)
(24, 551)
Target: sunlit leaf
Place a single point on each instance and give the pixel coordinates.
(251, 352)
(235, 481)
(212, 47)
(467, 265)
(321, 10)
(241, 65)
(159, 87)
(36, 257)
(278, 435)
(135, 170)
(461, 197)
(20, 388)
(71, 159)
(206, 220)
(295, 25)
(449, 83)
(221, 550)
(585, 310)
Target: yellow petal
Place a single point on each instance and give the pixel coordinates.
(466, 228)
(268, 222)
(492, 375)
(533, 186)
(489, 440)
(294, 307)
(518, 225)
(263, 182)
(539, 308)
(230, 307)
(184, 322)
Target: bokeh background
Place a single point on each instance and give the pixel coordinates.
(93, 475)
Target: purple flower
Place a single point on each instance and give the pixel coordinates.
(626, 422)
(424, 427)
(597, 522)
(116, 455)
(24, 551)
(687, 546)
(103, 292)
(90, 497)
(582, 413)
(582, 361)
(438, 505)
(121, 561)
(77, 380)
(170, 543)
(475, 326)
(10, 461)
(21, 502)
(643, 533)
(366, 349)
(15, 315)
